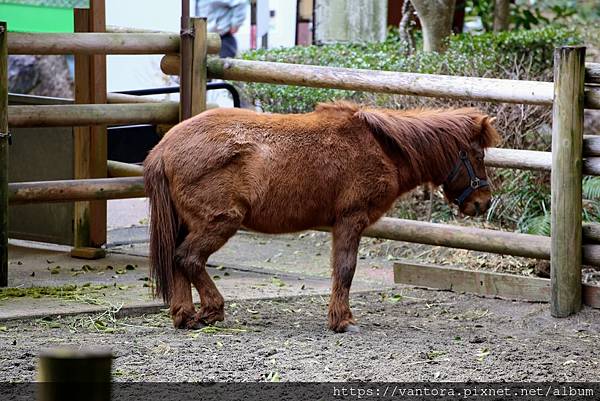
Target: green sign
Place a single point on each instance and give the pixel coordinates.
(40, 15)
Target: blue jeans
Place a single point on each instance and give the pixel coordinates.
(228, 46)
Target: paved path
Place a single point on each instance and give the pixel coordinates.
(250, 266)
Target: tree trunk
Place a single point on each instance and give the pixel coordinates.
(405, 26)
(436, 21)
(501, 14)
(350, 20)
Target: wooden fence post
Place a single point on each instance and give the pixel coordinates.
(186, 51)
(567, 159)
(90, 142)
(199, 66)
(3, 155)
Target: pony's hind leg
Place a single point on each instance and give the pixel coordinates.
(202, 241)
(346, 239)
(182, 308)
(181, 305)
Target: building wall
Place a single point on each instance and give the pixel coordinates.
(350, 20)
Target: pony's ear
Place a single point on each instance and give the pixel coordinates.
(489, 137)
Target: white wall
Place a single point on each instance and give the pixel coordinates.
(282, 32)
(138, 72)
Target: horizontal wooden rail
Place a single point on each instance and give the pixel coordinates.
(592, 97)
(521, 159)
(591, 145)
(120, 169)
(120, 98)
(482, 89)
(477, 239)
(591, 232)
(532, 160)
(75, 190)
(100, 43)
(592, 73)
(468, 88)
(83, 114)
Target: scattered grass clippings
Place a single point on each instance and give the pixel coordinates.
(482, 354)
(431, 355)
(276, 281)
(394, 298)
(84, 293)
(274, 377)
(216, 330)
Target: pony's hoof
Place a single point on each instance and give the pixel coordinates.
(352, 329)
(196, 325)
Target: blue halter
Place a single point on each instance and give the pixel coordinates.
(476, 182)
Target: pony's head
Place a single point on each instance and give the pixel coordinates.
(445, 147)
(467, 184)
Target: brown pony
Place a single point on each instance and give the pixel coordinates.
(341, 166)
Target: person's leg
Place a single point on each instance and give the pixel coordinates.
(228, 46)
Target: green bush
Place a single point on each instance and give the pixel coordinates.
(513, 54)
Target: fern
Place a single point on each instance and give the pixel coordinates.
(539, 225)
(591, 188)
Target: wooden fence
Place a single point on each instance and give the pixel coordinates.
(570, 245)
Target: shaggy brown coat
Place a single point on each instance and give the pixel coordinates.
(341, 166)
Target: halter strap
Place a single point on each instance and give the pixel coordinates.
(475, 182)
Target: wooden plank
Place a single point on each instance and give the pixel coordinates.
(76, 190)
(592, 73)
(567, 145)
(501, 285)
(3, 156)
(83, 114)
(199, 69)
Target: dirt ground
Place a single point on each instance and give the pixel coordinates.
(406, 335)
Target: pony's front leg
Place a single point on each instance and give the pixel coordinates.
(346, 238)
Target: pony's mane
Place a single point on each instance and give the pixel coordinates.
(429, 140)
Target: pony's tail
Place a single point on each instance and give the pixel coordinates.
(164, 226)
